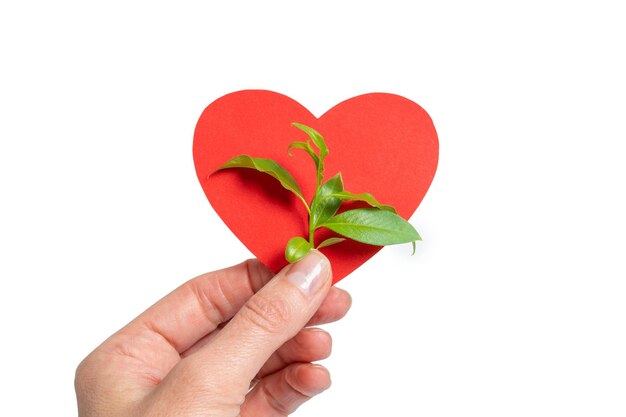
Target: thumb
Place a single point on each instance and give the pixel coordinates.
(270, 317)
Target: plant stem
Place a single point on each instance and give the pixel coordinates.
(311, 233)
(311, 228)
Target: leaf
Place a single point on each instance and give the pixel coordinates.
(317, 139)
(269, 167)
(324, 208)
(306, 146)
(296, 249)
(365, 197)
(372, 226)
(330, 241)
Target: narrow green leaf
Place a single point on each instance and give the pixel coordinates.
(296, 249)
(269, 167)
(372, 226)
(306, 146)
(324, 208)
(317, 139)
(365, 197)
(330, 241)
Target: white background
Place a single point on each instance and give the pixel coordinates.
(515, 302)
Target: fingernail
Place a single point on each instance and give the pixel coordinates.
(309, 273)
(324, 386)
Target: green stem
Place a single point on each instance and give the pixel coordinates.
(319, 176)
(311, 238)
(311, 228)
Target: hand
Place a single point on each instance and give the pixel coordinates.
(228, 343)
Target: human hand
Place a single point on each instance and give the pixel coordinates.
(227, 343)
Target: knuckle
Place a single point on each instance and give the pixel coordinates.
(210, 298)
(269, 315)
(80, 374)
(87, 373)
(277, 404)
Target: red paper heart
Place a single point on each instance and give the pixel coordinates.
(382, 144)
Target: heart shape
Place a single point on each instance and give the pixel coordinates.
(383, 144)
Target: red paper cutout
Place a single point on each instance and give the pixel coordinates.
(383, 144)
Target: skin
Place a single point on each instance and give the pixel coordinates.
(234, 342)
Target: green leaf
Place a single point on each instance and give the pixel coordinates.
(365, 197)
(269, 167)
(324, 208)
(317, 139)
(372, 226)
(306, 146)
(330, 241)
(296, 249)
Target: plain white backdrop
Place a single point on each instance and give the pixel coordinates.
(515, 302)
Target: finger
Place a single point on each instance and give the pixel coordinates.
(280, 394)
(334, 307)
(197, 307)
(309, 345)
(271, 317)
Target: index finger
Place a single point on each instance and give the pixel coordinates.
(197, 307)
